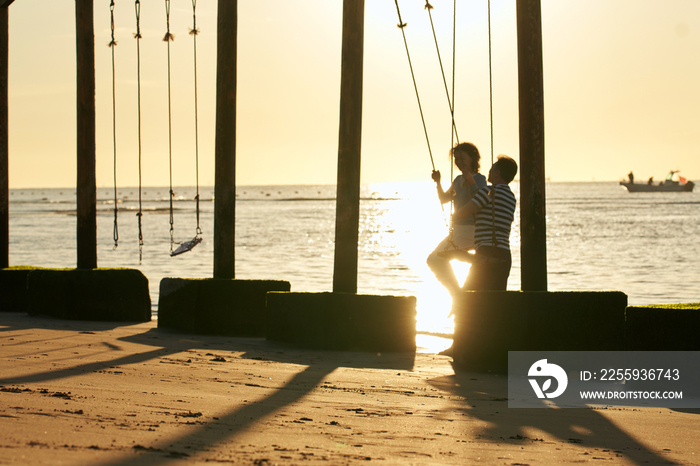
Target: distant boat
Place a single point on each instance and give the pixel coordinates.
(669, 185)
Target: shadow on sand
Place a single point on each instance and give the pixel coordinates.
(512, 426)
(519, 426)
(166, 343)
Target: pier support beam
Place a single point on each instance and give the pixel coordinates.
(347, 216)
(85, 90)
(533, 251)
(225, 150)
(4, 149)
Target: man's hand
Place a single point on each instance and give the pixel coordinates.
(436, 176)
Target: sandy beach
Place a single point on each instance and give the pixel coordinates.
(115, 394)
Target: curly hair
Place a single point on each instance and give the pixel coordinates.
(471, 150)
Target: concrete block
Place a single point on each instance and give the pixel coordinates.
(343, 321)
(13, 288)
(488, 324)
(115, 295)
(673, 327)
(211, 306)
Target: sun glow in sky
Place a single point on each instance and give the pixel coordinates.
(621, 89)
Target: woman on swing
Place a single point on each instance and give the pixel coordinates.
(467, 159)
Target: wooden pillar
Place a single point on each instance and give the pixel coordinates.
(347, 216)
(4, 149)
(532, 175)
(225, 150)
(86, 189)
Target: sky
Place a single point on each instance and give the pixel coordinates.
(621, 86)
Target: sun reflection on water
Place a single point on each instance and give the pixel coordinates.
(402, 224)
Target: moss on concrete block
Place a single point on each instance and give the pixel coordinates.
(13, 288)
(488, 324)
(115, 295)
(671, 327)
(343, 321)
(694, 306)
(212, 306)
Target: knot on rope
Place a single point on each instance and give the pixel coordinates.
(194, 31)
(137, 8)
(428, 6)
(111, 12)
(401, 25)
(115, 231)
(168, 37)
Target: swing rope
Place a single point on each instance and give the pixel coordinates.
(167, 39)
(402, 26)
(137, 36)
(429, 9)
(454, 58)
(452, 109)
(112, 45)
(453, 135)
(194, 32)
(187, 245)
(490, 80)
(454, 61)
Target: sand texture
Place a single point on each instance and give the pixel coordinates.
(115, 394)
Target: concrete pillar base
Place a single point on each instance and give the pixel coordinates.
(488, 324)
(343, 321)
(115, 295)
(213, 306)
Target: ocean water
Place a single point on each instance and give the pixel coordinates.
(599, 238)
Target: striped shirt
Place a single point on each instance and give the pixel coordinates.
(503, 214)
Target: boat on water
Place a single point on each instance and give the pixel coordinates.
(672, 184)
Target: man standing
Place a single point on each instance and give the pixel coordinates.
(494, 207)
